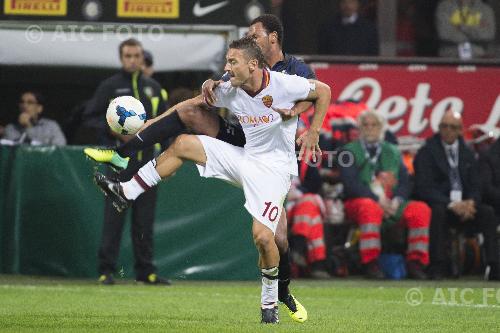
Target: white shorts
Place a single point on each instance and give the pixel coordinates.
(265, 188)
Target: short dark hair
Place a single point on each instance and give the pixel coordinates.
(272, 24)
(38, 96)
(250, 47)
(148, 59)
(129, 42)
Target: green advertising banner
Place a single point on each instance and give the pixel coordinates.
(52, 214)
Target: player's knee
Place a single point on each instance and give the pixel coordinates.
(263, 239)
(182, 144)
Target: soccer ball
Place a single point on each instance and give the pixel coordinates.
(125, 115)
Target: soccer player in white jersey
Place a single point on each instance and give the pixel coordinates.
(263, 168)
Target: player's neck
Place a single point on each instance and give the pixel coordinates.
(254, 83)
(275, 57)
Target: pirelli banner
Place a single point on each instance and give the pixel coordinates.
(36, 7)
(414, 97)
(218, 12)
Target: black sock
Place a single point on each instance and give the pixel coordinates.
(167, 127)
(284, 275)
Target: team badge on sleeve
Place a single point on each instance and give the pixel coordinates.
(267, 100)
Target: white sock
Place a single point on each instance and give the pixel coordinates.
(149, 174)
(144, 179)
(269, 296)
(132, 189)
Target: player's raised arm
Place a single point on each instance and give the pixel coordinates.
(320, 94)
(195, 101)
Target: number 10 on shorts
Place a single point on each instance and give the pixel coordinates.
(271, 212)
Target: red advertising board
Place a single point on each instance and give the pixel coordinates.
(414, 97)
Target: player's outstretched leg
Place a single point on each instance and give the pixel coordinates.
(158, 132)
(107, 156)
(112, 189)
(296, 311)
(185, 147)
(268, 261)
(167, 127)
(186, 116)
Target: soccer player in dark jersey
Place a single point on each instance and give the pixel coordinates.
(268, 33)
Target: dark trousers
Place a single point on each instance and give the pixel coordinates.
(442, 219)
(141, 230)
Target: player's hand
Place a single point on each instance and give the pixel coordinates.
(286, 114)
(207, 90)
(309, 144)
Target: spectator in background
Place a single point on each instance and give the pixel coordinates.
(31, 127)
(376, 190)
(129, 81)
(180, 94)
(448, 179)
(148, 70)
(349, 34)
(489, 163)
(465, 28)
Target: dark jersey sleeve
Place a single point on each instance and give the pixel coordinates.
(305, 70)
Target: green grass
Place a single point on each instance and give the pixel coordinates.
(30, 304)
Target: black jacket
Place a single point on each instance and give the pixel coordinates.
(432, 182)
(489, 164)
(358, 38)
(122, 84)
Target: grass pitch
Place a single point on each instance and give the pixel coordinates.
(61, 305)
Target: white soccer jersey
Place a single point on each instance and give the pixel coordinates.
(268, 138)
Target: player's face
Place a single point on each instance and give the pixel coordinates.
(371, 129)
(259, 33)
(238, 67)
(132, 58)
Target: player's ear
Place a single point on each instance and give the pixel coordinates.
(273, 37)
(252, 64)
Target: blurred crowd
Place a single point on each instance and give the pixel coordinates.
(385, 209)
(447, 28)
(462, 29)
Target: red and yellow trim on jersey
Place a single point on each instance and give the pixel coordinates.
(266, 78)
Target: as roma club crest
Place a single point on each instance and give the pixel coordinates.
(267, 100)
